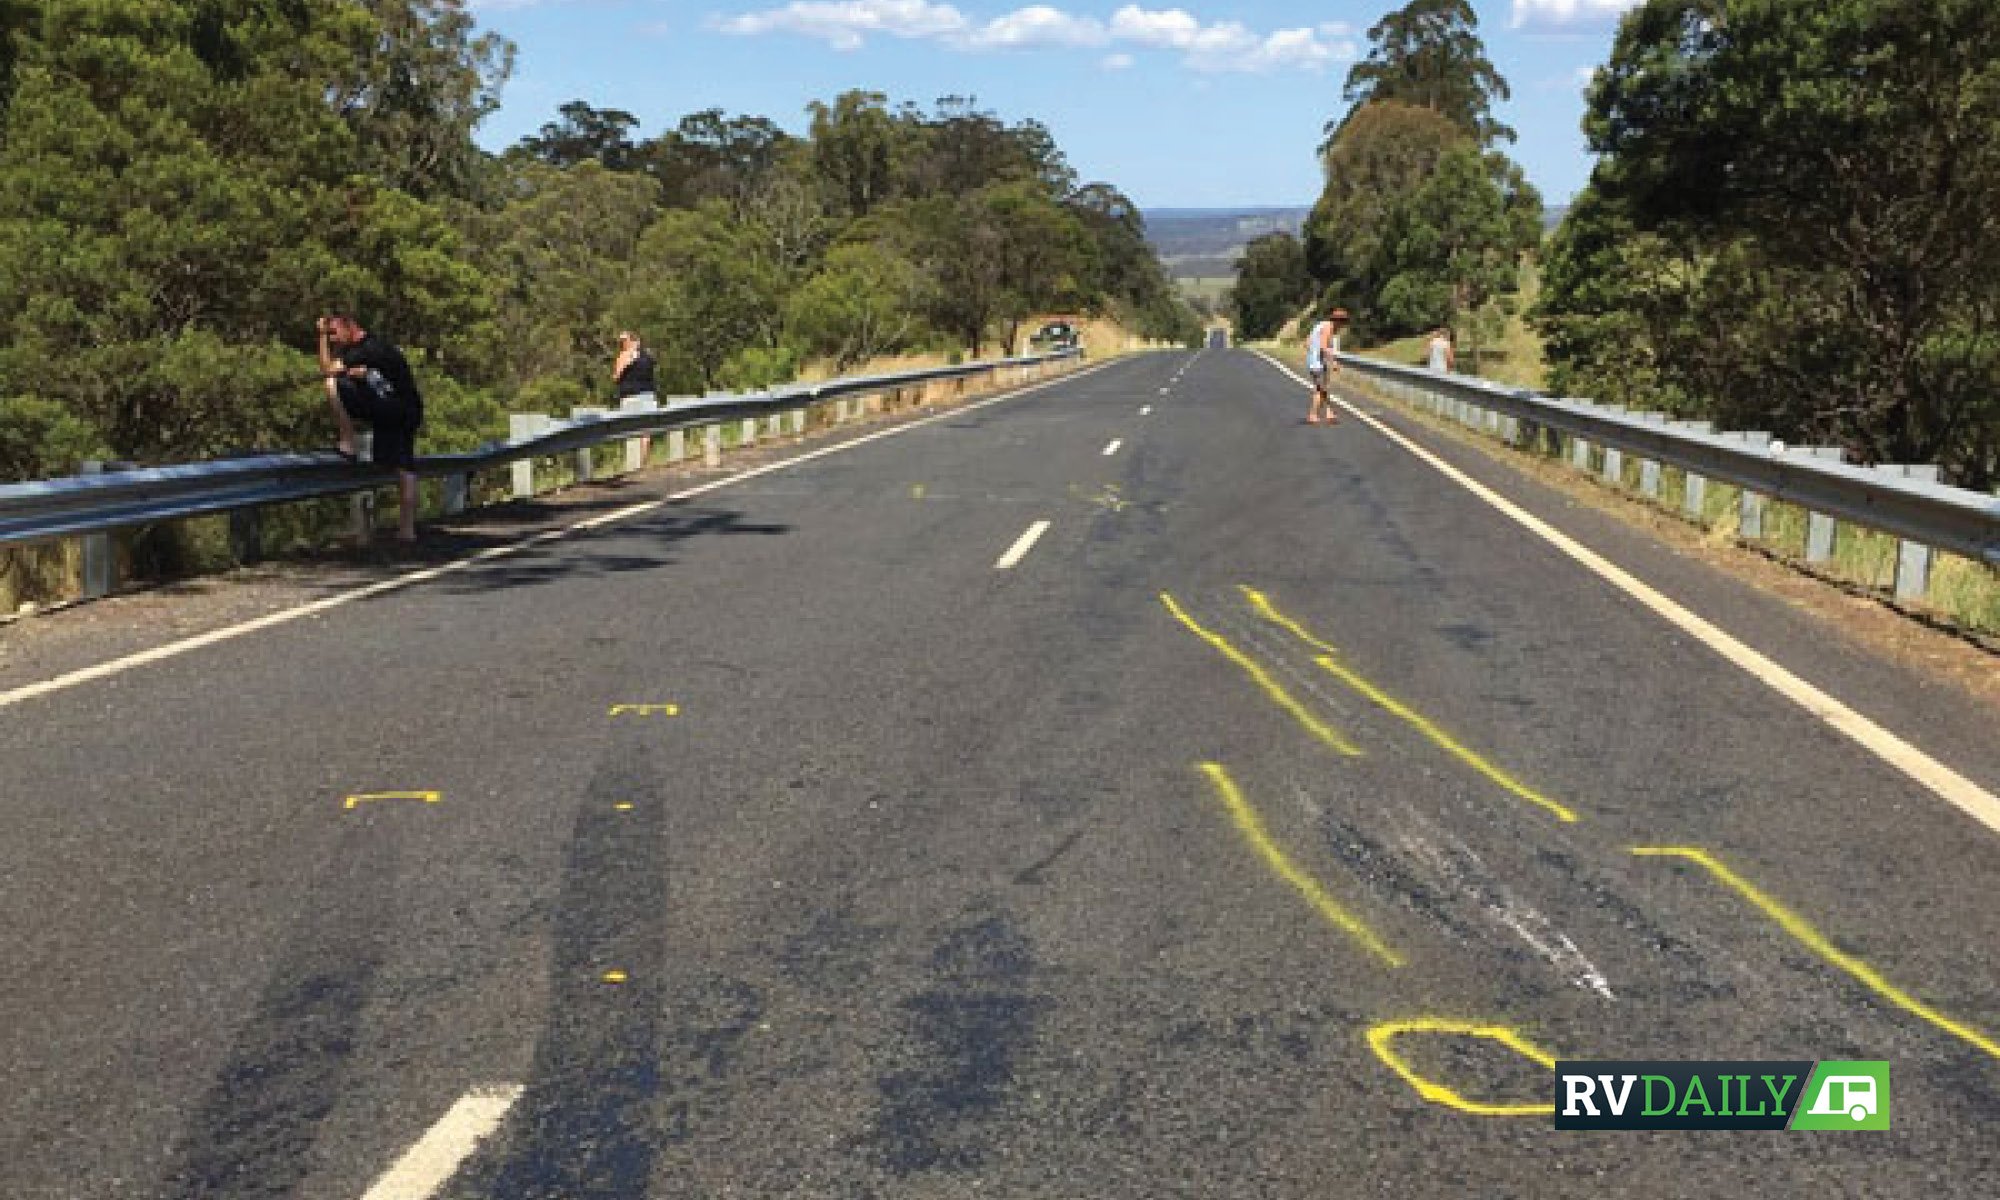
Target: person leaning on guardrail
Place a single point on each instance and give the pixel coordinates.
(1443, 357)
(1321, 346)
(367, 378)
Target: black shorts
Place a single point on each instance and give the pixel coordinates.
(395, 423)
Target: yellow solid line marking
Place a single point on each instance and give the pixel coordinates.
(614, 977)
(647, 710)
(1815, 941)
(1271, 688)
(1353, 679)
(1380, 1037)
(426, 574)
(1971, 799)
(1252, 828)
(623, 806)
(369, 797)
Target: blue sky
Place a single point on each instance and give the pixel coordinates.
(1180, 103)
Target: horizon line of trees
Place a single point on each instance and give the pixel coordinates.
(185, 184)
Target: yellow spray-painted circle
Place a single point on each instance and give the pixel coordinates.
(1381, 1036)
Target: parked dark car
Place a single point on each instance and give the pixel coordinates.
(1056, 335)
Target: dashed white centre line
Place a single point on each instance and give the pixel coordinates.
(1113, 447)
(1023, 544)
(1145, 410)
(429, 1164)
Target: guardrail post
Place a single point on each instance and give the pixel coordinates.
(586, 462)
(711, 445)
(1821, 530)
(749, 431)
(361, 506)
(676, 445)
(246, 535)
(635, 448)
(100, 571)
(1749, 504)
(457, 493)
(1579, 453)
(1614, 466)
(799, 422)
(1913, 559)
(521, 427)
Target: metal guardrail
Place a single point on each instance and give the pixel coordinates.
(89, 504)
(1900, 500)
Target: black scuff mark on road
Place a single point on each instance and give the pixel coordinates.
(966, 1034)
(1034, 874)
(587, 1128)
(288, 1066)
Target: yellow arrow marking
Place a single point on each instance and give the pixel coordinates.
(646, 710)
(368, 797)
(1381, 1036)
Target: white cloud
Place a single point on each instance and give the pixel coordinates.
(1118, 62)
(1218, 47)
(1039, 25)
(846, 24)
(1567, 12)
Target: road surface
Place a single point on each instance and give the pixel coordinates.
(1119, 789)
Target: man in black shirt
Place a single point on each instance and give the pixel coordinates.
(368, 378)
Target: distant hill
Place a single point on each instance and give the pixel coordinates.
(1204, 243)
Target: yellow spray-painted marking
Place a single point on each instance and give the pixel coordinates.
(354, 802)
(916, 491)
(1347, 675)
(623, 806)
(646, 710)
(1252, 828)
(1279, 696)
(1380, 1037)
(614, 976)
(1816, 941)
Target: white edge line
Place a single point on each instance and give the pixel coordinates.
(425, 575)
(1954, 788)
(1113, 447)
(1023, 544)
(428, 1165)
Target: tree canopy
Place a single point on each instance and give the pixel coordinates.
(184, 186)
(1791, 225)
(1420, 222)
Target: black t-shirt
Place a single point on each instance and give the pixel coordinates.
(637, 377)
(388, 371)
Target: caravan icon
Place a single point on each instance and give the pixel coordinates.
(1852, 1094)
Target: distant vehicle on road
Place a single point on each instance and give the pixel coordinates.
(1056, 335)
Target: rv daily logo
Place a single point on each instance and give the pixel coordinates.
(1722, 1095)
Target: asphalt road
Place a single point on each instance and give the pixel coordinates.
(1278, 776)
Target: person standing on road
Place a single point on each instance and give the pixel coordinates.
(1322, 344)
(1443, 358)
(367, 378)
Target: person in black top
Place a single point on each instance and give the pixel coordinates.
(367, 378)
(632, 371)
